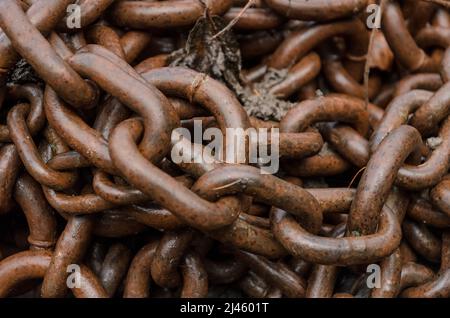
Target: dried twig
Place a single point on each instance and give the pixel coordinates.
(228, 185)
(356, 176)
(234, 21)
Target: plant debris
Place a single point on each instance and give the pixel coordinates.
(220, 58)
(23, 73)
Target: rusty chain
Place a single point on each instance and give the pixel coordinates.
(97, 97)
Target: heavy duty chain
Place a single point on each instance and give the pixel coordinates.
(104, 192)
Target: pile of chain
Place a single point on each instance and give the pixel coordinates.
(92, 204)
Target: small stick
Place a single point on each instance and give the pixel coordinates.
(234, 21)
(355, 176)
